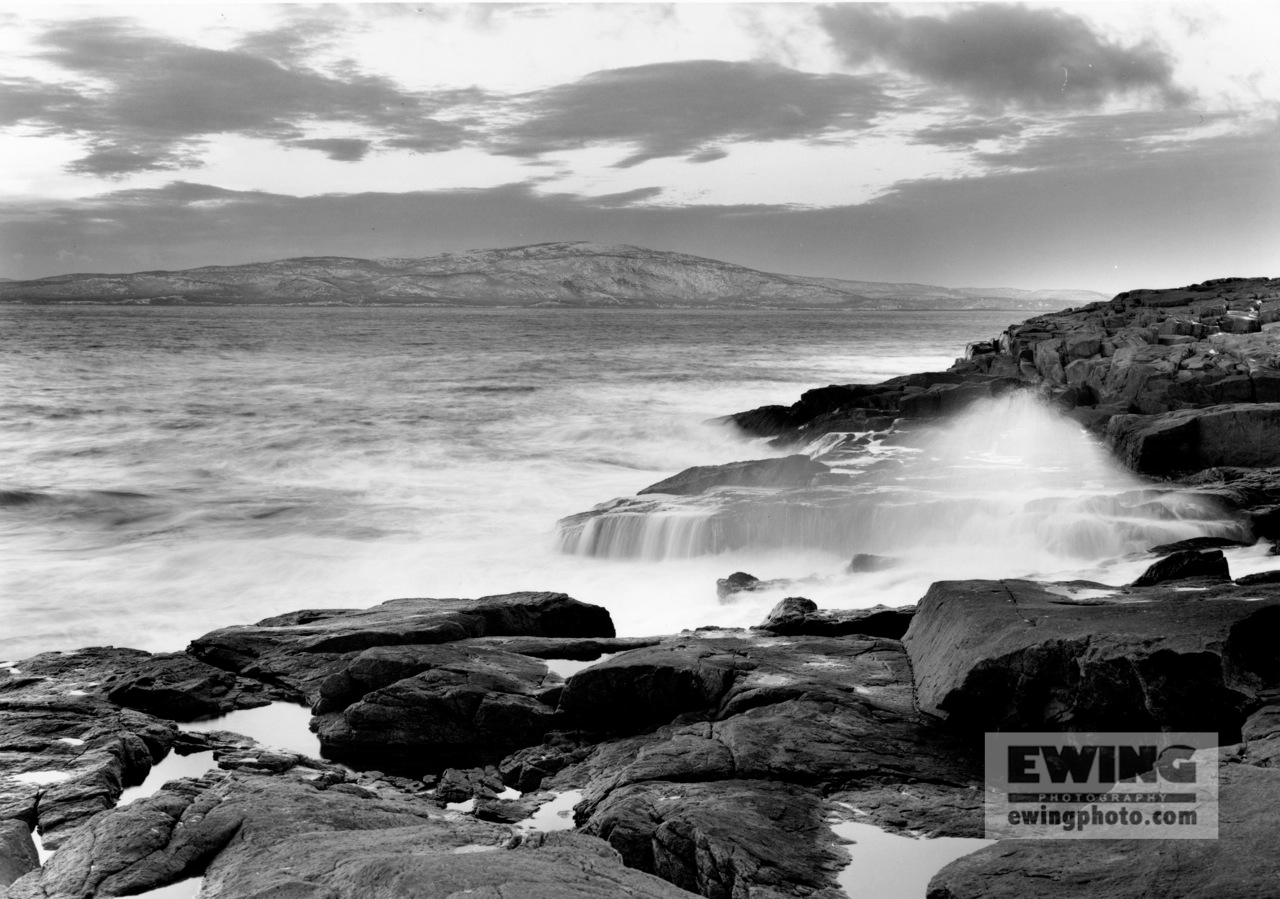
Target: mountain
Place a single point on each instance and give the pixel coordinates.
(549, 274)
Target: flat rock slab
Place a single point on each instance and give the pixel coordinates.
(790, 471)
(991, 655)
(300, 649)
(1241, 864)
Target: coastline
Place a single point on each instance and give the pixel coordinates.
(710, 761)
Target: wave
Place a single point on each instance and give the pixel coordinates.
(1010, 484)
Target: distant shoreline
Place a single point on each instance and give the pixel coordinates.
(562, 307)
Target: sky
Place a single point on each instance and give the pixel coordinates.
(1102, 146)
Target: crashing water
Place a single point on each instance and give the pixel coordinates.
(169, 471)
(1008, 488)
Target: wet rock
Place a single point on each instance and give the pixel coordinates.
(256, 835)
(796, 616)
(1181, 566)
(863, 562)
(823, 406)
(790, 471)
(734, 803)
(461, 784)
(948, 399)
(17, 851)
(846, 421)
(527, 769)
(737, 582)
(741, 582)
(420, 708)
(918, 808)
(504, 811)
(1262, 577)
(68, 754)
(579, 648)
(741, 838)
(1197, 543)
(1011, 655)
(179, 687)
(1240, 864)
(767, 421)
(299, 651)
(1237, 434)
(646, 687)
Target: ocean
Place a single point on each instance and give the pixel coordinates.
(171, 470)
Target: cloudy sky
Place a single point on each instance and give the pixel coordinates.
(1102, 146)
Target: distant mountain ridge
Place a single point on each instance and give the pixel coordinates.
(571, 274)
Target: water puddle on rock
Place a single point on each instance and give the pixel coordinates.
(556, 814)
(566, 668)
(888, 866)
(40, 778)
(183, 889)
(171, 767)
(281, 725)
(42, 854)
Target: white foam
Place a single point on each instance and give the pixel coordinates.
(1256, 559)
(1007, 489)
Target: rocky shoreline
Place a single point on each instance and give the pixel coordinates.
(456, 734)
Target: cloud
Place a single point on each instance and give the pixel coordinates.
(113, 160)
(1000, 54)
(146, 100)
(968, 131)
(710, 154)
(341, 149)
(23, 99)
(1106, 141)
(308, 29)
(164, 87)
(626, 198)
(430, 136)
(678, 108)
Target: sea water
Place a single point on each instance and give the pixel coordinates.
(167, 471)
